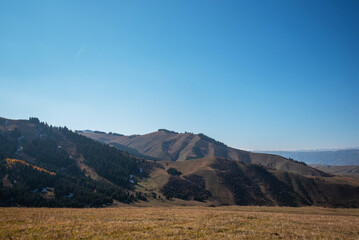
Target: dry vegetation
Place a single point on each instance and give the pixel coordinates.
(180, 223)
(11, 163)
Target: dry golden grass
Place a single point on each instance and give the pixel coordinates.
(180, 223)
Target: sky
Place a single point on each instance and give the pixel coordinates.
(263, 75)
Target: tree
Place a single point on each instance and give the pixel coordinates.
(173, 171)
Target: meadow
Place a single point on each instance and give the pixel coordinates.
(180, 223)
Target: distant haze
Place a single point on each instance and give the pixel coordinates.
(333, 157)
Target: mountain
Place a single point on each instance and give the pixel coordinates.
(333, 157)
(46, 166)
(172, 146)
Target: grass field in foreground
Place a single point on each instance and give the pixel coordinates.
(180, 223)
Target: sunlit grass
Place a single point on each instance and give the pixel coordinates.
(180, 223)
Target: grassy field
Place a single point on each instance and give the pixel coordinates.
(180, 223)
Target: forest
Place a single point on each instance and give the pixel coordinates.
(38, 172)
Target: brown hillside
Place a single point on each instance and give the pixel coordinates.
(218, 181)
(170, 146)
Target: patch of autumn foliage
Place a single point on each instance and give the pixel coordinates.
(13, 162)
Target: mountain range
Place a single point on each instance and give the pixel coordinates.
(340, 157)
(228, 173)
(172, 146)
(42, 165)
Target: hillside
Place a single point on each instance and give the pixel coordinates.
(42, 165)
(218, 181)
(171, 146)
(334, 157)
(46, 166)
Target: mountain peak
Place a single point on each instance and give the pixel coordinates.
(167, 131)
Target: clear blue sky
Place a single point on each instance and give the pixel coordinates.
(252, 74)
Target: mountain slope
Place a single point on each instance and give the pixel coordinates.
(219, 181)
(171, 146)
(86, 173)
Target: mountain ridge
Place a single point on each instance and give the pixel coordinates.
(172, 146)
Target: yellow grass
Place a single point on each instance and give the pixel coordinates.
(180, 223)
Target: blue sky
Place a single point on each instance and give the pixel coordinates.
(252, 74)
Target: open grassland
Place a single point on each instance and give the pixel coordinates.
(180, 223)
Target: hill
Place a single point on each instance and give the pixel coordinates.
(37, 159)
(219, 181)
(42, 165)
(171, 146)
(334, 157)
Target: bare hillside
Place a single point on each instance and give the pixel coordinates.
(171, 146)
